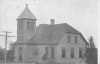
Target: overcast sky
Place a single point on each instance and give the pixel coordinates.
(81, 14)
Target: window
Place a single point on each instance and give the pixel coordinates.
(76, 39)
(52, 52)
(45, 56)
(20, 26)
(20, 48)
(68, 38)
(35, 52)
(63, 53)
(72, 52)
(20, 58)
(80, 52)
(20, 54)
(30, 25)
(20, 30)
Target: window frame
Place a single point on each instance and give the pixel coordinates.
(69, 38)
(20, 54)
(76, 39)
(80, 53)
(72, 53)
(63, 52)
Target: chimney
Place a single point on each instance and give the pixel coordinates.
(52, 21)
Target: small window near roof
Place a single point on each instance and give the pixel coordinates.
(76, 39)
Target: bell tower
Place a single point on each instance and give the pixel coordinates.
(26, 25)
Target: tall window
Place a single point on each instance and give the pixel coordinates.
(72, 52)
(20, 54)
(63, 53)
(76, 39)
(20, 26)
(45, 56)
(20, 30)
(68, 38)
(52, 52)
(80, 53)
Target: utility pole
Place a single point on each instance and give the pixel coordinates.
(6, 36)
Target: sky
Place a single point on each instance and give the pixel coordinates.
(81, 14)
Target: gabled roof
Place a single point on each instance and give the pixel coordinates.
(51, 34)
(27, 14)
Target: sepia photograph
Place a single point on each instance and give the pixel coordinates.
(49, 32)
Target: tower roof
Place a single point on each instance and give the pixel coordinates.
(27, 13)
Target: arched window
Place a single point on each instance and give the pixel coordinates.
(63, 52)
